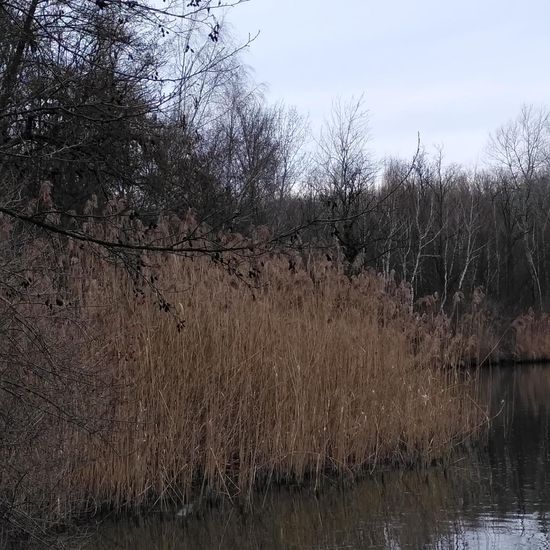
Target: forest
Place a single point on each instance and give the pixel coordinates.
(196, 289)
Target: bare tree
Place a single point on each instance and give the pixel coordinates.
(521, 152)
(83, 85)
(344, 174)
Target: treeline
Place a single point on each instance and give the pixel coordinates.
(151, 109)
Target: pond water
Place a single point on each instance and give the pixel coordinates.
(496, 497)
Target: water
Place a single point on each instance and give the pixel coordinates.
(496, 497)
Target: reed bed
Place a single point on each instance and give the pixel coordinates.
(532, 337)
(186, 377)
(300, 374)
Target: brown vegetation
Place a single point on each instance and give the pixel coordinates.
(244, 371)
(532, 337)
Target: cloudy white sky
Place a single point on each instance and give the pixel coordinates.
(453, 71)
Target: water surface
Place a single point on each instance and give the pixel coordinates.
(495, 497)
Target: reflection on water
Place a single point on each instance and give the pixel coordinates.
(494, 498)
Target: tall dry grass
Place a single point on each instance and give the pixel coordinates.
(243, 371)
(306, 372)
(532, 337)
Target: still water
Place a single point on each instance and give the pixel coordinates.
(496, 497)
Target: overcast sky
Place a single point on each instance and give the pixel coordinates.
(453, 71)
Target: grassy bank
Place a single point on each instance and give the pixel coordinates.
(244, 371)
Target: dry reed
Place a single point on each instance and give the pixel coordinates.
(532, 337)
(298, 373)
(304, 373)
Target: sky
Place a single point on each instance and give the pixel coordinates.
(453, 71)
